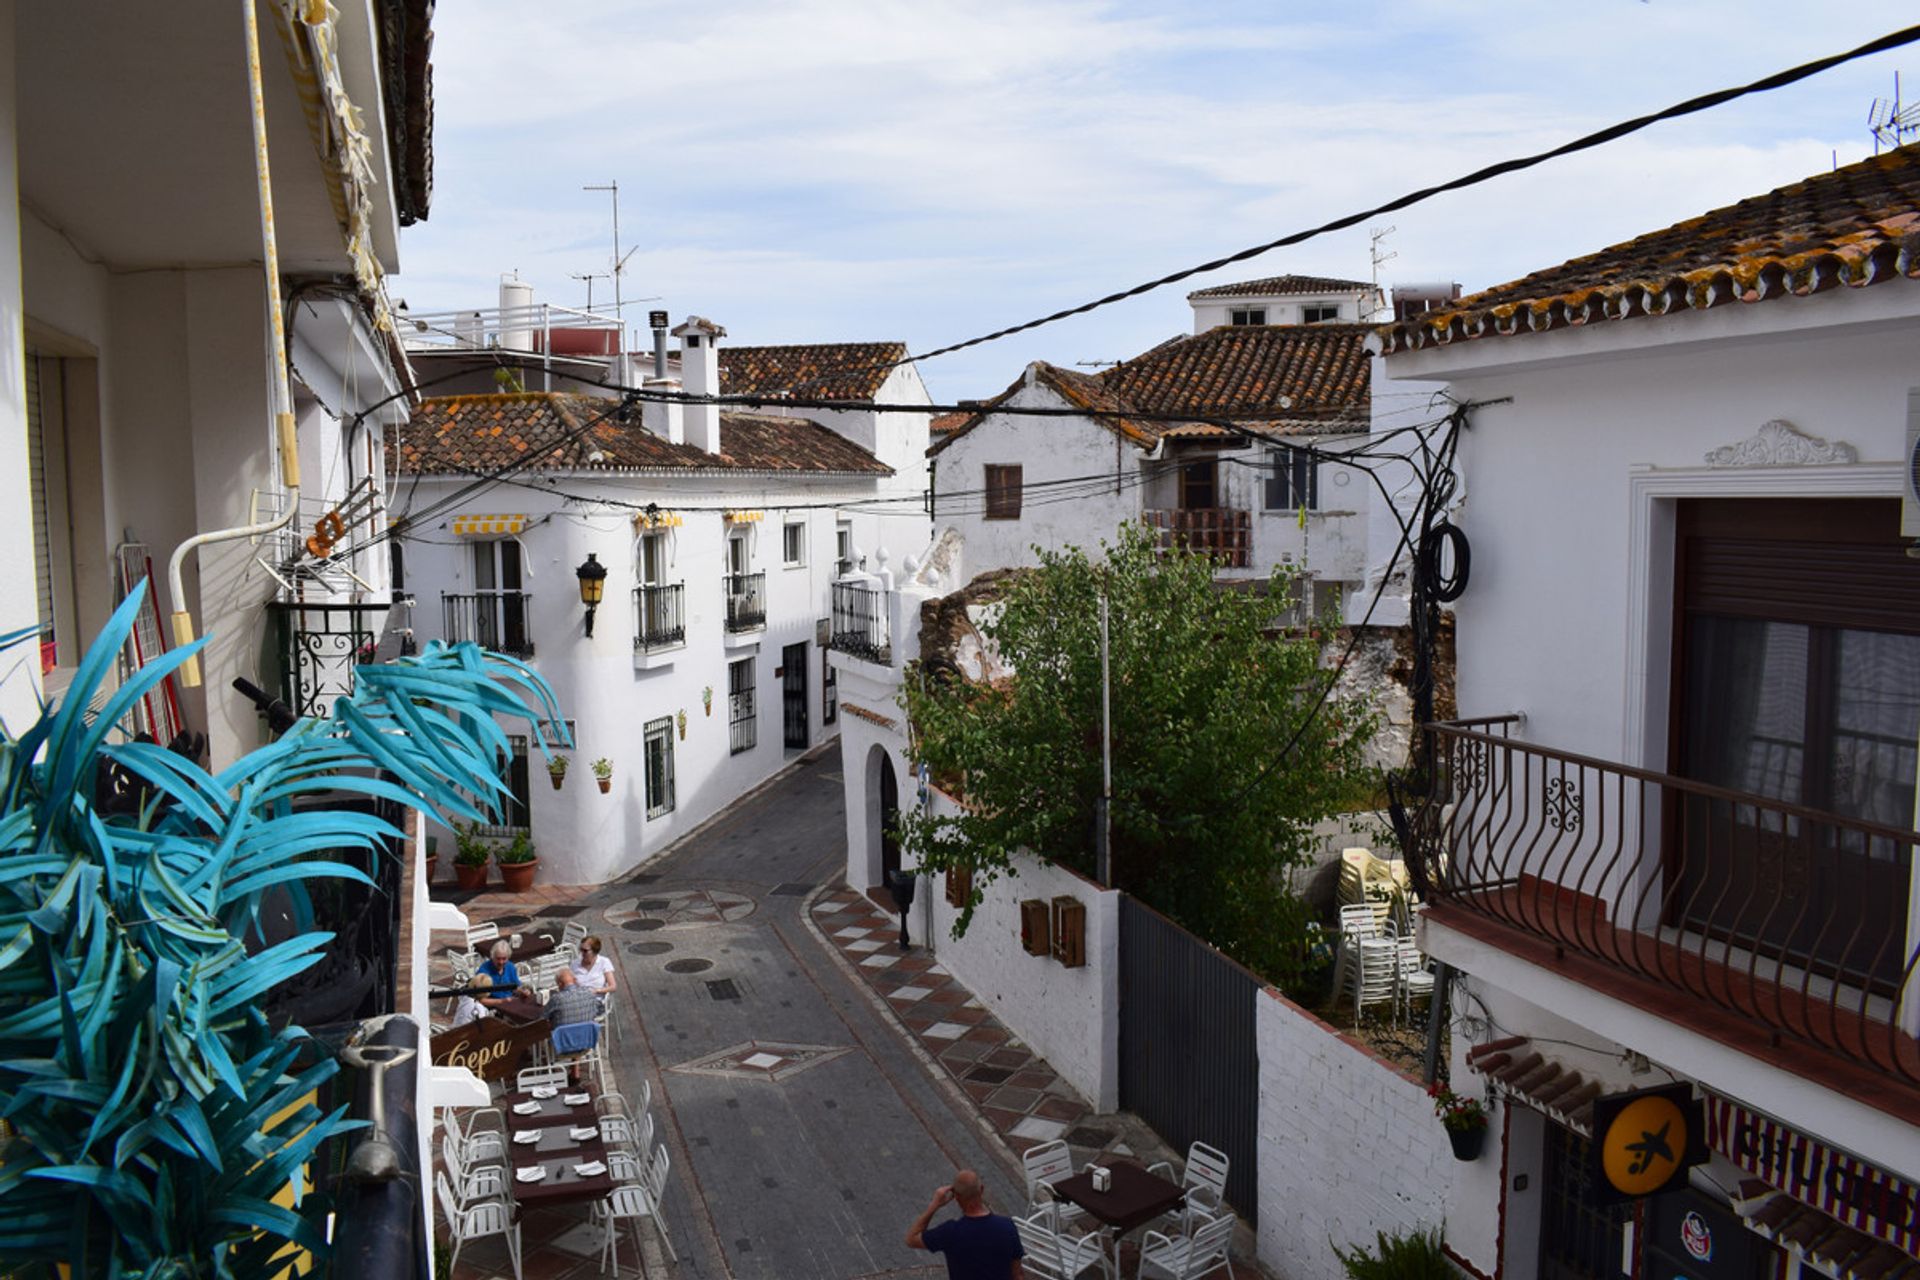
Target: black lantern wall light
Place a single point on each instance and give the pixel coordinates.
(593, 585)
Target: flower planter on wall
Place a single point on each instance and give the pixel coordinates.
(1467, 1143)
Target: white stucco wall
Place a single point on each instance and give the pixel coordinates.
(1281, 308)
(1348, 1145)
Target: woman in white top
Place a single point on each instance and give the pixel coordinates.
(593, 970)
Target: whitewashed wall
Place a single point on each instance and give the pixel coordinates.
(1211, 313)
(1348, 1145)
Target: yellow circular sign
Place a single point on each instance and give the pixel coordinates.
(1644, 1146)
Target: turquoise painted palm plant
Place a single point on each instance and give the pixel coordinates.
(156, 1113)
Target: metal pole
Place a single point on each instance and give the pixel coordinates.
(1436, 1019)
(1103, 870)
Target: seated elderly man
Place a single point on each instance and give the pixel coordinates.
(499, 971)
(571, 1009)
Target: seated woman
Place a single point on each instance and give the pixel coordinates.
(498, 970)
(593, 970)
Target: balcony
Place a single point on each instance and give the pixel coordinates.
(860, 625)
(497, 620)
(1224, 533)
(746, 601)
(1771, 927)
(659, 617)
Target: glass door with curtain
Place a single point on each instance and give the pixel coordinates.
(500, 603)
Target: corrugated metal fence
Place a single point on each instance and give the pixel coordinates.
(1189, 1065)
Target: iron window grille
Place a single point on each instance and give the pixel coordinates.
(743, 716)
(860, 622)
(497, 620)
(659, 750)
(746, 601)
(517, 807)
(320, 645)
(659, 617)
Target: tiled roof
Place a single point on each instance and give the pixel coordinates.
(1077, 389)
(1855, 226)
(550, 431)
(1279, 284)
(406, 84)
(1254, 373)
(823, 371)
(941, 423)
(1517, 1069)
(1802, 1229)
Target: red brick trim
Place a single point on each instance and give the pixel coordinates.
(871, 717)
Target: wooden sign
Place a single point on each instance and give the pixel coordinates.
(1645, 1141)
(490, 1048)
(1036, 930)
(1069, 931)
(959, 886)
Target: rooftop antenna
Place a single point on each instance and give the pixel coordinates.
(589, 277)
(619, 262)
(1376, 235)
(1890, 123)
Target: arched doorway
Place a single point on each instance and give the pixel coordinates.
(889, 819)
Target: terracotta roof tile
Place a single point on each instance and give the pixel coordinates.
(941, 423)
(462, 435)
(1254, 372)
(1856, 226)
(825, 370)
(1280, 284)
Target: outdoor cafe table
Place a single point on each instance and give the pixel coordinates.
(533, 948)
(1134, 1198)
(556, 1151)
(521, 1009)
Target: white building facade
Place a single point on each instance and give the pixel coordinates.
(1288, 299)
(1676, 845)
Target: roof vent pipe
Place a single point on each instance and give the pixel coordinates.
(657, 321)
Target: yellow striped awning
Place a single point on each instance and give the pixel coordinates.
(744, 517)
(657, 520)
(472, 526)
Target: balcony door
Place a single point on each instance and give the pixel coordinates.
(1797, 679)
(1199, 485)
(500, 606)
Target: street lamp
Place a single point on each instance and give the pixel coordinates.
(593, 584)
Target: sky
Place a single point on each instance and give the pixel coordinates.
(928, 170)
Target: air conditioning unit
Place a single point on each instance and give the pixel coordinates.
(1910, 488)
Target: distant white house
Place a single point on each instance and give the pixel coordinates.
(1285, 300)
(720, 532)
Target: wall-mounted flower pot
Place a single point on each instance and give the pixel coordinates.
(518, 876)
(1467, 1142)
(606, 785)
(556, 779)
(470, 877)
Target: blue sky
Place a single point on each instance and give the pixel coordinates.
(925, 170)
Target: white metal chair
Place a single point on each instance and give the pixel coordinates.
(1046, 1164)
(1412, 978)
(1205, 1183)
(1371, 971)
(1054, 1255)
(540, 1078)
(570, 935)
(1187, 1257)
(479, 933)
(465, 964)
(477, 1221)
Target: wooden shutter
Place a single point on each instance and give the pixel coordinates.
(1003, 492)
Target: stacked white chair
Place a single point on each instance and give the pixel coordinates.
(1412, 977)
(1056, 1255)
(1372, 973)
(1191, 1255)
(477, 1220)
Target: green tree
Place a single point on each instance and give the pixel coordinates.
(1206, 695)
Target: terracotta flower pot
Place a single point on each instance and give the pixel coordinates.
(606, 785)
(556, 779)
(518, 876)
(1467, 1142)
(470, 877)
(432, 861)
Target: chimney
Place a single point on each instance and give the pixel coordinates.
(657, 321)
(700, 371)
(665, 418)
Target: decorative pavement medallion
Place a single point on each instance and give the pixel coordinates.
(680, 908)
(761, 1060)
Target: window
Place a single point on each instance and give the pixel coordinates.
(1319, 312)
(516, 808)
(1579, 1240)
(397, 569)
(744, 717)
(1293, 481)
(738, 561)
(843, 550)
(1003, 492)
(1247, 315)
(829, 688)
(1198, 490)
(496, 617)
(659, 739)
(793, 544)
(653, 559)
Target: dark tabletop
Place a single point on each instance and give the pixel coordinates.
(556, 1150)
(1136, 1197)
(533, 948)
(520, 1009)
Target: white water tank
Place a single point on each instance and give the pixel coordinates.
(516, 313)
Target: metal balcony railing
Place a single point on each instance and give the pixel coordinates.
(659, 617)
(860, 624)
(1225, 533)
(1792, 920)
(497, 620)
(746, 600)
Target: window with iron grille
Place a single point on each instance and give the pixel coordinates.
(516, 807)
(1292, 480)
(1247, 315)
(1003, 492)
(793, 544)
(659, 739)
(744, 716)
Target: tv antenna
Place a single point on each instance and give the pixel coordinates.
(589, 277)
(1377, 235)
(1891, 123)
(619, 261)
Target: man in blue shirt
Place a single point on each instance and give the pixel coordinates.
(979, 1245)
(499, 971)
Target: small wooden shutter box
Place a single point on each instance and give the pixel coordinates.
(959, 886)
(1036, 927)
(1069, 931)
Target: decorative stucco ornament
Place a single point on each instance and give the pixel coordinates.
(1780, 444)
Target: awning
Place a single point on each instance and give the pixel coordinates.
(475, 526)
(1520, 1072)
(658, 520)
(744, 517)
(1829, 1244)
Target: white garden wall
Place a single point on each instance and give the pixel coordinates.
(1348, 1145)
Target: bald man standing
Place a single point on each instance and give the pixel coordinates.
(978, 1245)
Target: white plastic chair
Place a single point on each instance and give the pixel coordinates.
(1046, 1164)
(1187, 1257)
(477, 1221)
(1053, 1255)
(1205, 1183)
(479, 933)
(540, 1078)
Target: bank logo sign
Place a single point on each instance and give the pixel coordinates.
(1644, 1142)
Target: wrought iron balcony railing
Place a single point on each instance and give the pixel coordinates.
(1792, 920)
(1224, 533)
(746, 600)
(497, 620)
(659, 617)
(860, 624)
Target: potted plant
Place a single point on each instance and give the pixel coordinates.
(557, 770)
(517, 863)
(470, 854)
(1464, 1118)
(706, 699)
(603, 774)
(682, 719)
(433, 857)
